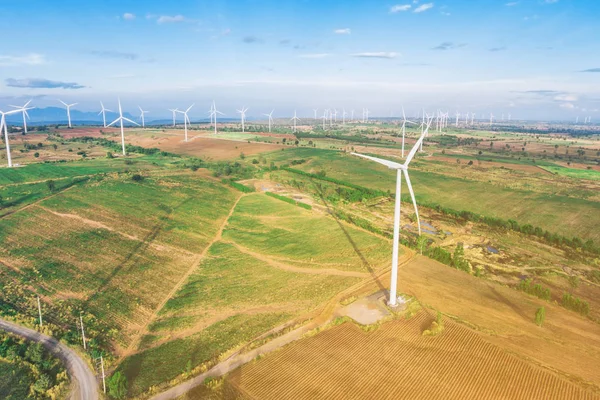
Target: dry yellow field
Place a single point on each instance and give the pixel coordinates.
(397, 361)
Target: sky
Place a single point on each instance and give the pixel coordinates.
(533, 59)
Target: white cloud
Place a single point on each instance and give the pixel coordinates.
(316, 55)
(511, 4)
(423, 7)
(400, 8)
(29, 59)
(565, 97)
(128, 16)
(380, 54)
(344, 31)
(550, 1)
(568, 106)
(165, 19)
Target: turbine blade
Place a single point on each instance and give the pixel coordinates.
(63, 102)
(128, 120)
(190, 107)
(413, 151)
(114, 122)
(387, 163)
(412, 195)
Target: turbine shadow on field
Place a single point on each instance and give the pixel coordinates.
(364, 261)
(498, 296)
(141, 246)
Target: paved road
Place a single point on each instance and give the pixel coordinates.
(83, 381)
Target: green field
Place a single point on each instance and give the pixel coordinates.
(269, 267)
(561, 214)
(15, 380)
(574, 172)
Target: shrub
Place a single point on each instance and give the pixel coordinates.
(288, 200)
(575, 304)
(535, 290)
(137, 178)
(51, 185)
(540, 316)
(36, 154)
(117, 385)
(436, 327)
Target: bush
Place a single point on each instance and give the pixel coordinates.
(436, 327)
(288, 200)
(117, 385)
(51, 185)
(535, 290)
(540, 316)
(242, 188)
(575, 304)
(137, 178)
(36, 154)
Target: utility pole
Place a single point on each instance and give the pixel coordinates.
(82, 331)
(103, 380)
(39, 309)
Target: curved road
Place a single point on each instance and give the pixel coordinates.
(83, 380)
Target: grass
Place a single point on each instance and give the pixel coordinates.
(269, 226)
(556, 213)
(574, 172)
(15, 380)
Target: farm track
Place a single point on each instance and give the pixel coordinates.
(83, 380)
(196, 262)
(286, 267)
(318, 318)
(35, 203)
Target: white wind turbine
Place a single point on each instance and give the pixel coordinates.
(352, 116)
(315, 111)
(367, 114)
(174, 111)
(186, 120)
(491, 119)
(121, 119)
(404, 121)
(68, 110)
(295, 118)
(142, 112)
(270, 115)
(243, 116)
(400, 169)
(103, 112)
(466, 119)
(324, 117)
(457, 116)
(335, 115)
(213, 114)
(3, 125)
(25, 115)
(472, 118)
(344, 116)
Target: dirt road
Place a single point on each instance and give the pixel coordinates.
(83, 381)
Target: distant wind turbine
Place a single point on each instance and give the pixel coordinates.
(270, 115)
(457, 116)
(174, 111)
(3, 125)
(491, 119)
(324, 117)
(315, 110)
(103, 112)
(214, 113)
(243, 116)
(400, 169)
(121, 119)
(186, 120)
(68, 110)
(142, 112)
(344, 116)
(295, 118)
(404, 122)
(24, 109)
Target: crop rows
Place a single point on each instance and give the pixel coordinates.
(397, 361)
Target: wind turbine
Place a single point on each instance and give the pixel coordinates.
(174, 111)
(367, 114)
(243, 115)
(186, 120)
(142, 112)
(121, 119)
(3, 124)
(295, 118)
(404, 121)
(315, 110)
(352, 116)
(400, 169)
(344, 116)
(491, 119)
(68, 110)
(103, 112)
(457, 116)
(472, 118)
(25, 115)
(270, 115)
(213, 114)
(324, 117)
(335, 115)
(466, 119)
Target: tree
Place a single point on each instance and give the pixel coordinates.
(109, 155)
(117, 385)
(43, 383)
(36, 154)
(540, 316)
(1, 200)
(51, 185)
(421, 243)
(55, 146)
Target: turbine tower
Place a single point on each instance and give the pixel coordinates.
(295, 118)
(186, 120)
(25, 114)
(491, 119)
(142, 112)
(121, 119)
(457, 116)
(270, 115)
(324, 117)
(243, 116)
(315, 110)
(404, 121)
(68, 110)
(344, 116)
(103, 112)
(3, 125)
(400, 169)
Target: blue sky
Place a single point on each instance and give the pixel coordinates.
(521, 57)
